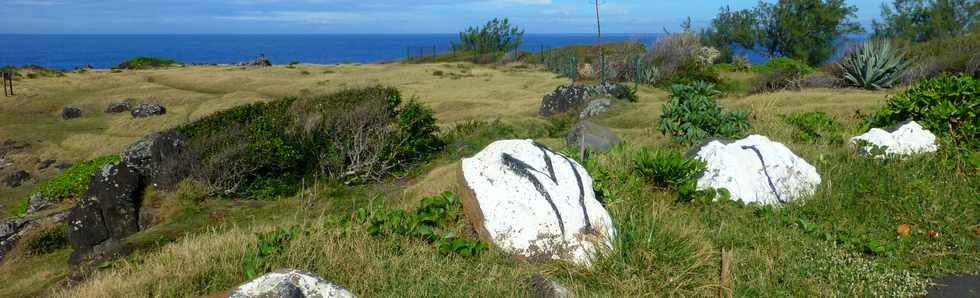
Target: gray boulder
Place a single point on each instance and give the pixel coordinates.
(149, 154)
(117, 107)
(70, 113)
(37, 203)
(594, 136)
(596, 107)
(144, 110)
(617, 91)
(11, 230)
(290, 284)
(109, 211)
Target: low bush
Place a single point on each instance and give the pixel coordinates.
(955, 55)
(780, 73)
(667, 168)
(145, 63)
(432, 221)
(816, 127)
(51, 239)
(946, 106)
(876, 64)
(691, 115)
(353, 136)
(73, 182)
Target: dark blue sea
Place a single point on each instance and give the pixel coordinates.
(103, 51)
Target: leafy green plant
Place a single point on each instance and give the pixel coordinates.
(815, 127)
(666, 168)
(431, 221)
(947, 106)
(691, 116)
(876, 64)
(143, 62)
(73, 182)
(269, 244)
(50, 240)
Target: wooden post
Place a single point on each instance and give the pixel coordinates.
(725, 287)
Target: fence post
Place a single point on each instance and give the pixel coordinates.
(636, 70)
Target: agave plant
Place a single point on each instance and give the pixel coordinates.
(875, 65)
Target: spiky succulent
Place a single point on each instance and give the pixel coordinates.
(874, 65)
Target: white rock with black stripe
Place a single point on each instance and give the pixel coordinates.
(756, 170)
(534, 202)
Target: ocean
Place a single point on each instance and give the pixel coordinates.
(103, 51)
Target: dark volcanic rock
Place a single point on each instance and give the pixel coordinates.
(595, 137)
(108, 211)
(546, 288)
(44, 164)
(571, 97)
(117, 107)
(17, 178)
(563, 99)
(70, 113)
(148, 110)
(259, 61)
(149, 154)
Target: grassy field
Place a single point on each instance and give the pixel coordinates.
(840, 242)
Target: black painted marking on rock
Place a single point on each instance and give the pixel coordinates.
(581, 197)
(772, 186)
(524, 170)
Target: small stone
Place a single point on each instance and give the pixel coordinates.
(17, 178)
(37, 203)
(546, 288)
(70, 113)
(44, 164)
(144, 110)
(117, 107)
(933, 234)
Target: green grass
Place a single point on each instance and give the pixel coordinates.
(73, 182)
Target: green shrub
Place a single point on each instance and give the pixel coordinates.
(432, 221)
(815, 127)
(666, 168)
(741, 63)
(145, 63)
(691, 116)
(73, 182)
(947, 106)
(51, 239)
(262, 150)
(944, 56)
(876, 64)
(780, 73)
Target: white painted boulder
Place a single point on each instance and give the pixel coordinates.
(534, 203)
(906, 138)
(756, 170)
(290, 283)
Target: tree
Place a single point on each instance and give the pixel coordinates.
(807, 30)
(732, 28)
(921, 20)
(496, 36)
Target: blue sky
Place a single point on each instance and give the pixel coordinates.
(357, 16)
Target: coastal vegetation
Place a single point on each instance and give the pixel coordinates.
(145, 63)
(353, 171)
